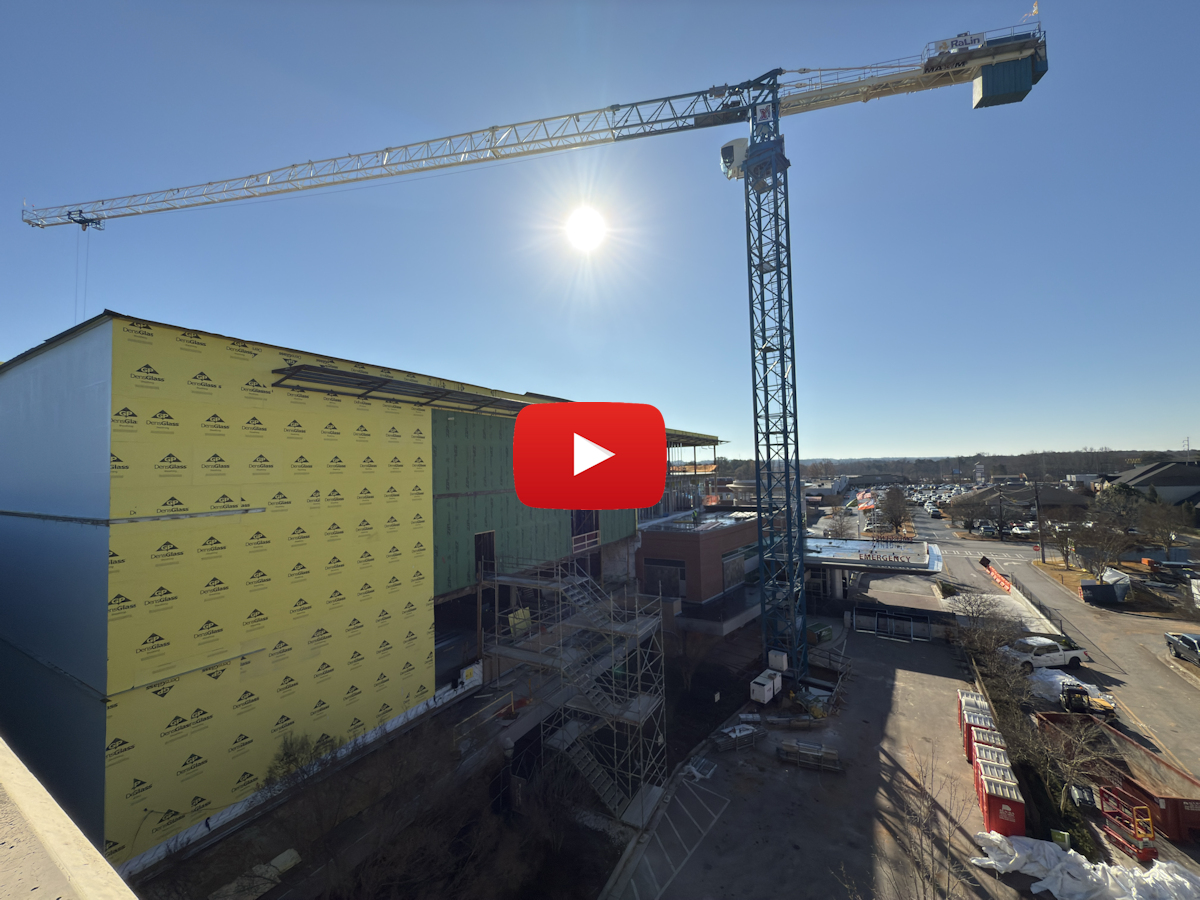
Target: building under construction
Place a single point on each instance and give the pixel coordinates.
(281, 543)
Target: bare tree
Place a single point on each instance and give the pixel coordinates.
(839, 523)
(1161, 523)
(967, 510)
(1102, 544)
(321, 797)
(928, 810)
(551, 796)
(894, 508)
(932, 808)
(977, 609)
(1060, 531)
(984, 624)
(1076, 752)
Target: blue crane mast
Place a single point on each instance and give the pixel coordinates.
(1002, 66)
(779, 491)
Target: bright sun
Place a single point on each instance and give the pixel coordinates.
(586, 229)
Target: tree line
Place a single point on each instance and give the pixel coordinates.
(1116, 521)
(1044, 465)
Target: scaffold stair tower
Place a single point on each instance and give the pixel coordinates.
(606, 650)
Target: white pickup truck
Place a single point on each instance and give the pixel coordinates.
(1036, 652)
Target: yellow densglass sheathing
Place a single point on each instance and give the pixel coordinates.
(304, 607)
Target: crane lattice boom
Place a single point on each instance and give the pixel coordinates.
(727, 104)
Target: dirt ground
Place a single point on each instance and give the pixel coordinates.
(1145, 602)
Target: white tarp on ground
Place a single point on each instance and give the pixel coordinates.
(1068, 876)
(1047, 684)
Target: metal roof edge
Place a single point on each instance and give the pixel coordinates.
(691, 438)
(63, 336)
(675, 437)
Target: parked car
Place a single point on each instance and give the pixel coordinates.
(877, 529)
(987, 529)
(1035, 652)
(1021, 531)
(1184, 646)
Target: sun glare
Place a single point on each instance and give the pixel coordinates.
(586, 229)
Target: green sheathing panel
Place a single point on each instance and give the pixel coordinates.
(616, 524)
(473, 492)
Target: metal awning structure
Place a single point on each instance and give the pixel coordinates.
(676, 438)
(367, 386)
(435, 393)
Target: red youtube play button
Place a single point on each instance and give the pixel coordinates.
(590, 455)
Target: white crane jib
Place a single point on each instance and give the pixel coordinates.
(940, 65)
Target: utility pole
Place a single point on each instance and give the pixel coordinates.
(1000, 513)
(1037, 499)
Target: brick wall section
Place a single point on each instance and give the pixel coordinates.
(700, 551)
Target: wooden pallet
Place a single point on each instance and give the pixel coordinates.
(811, 756)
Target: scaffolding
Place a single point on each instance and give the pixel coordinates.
(606, 651)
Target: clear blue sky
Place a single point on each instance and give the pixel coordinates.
(1017, 278)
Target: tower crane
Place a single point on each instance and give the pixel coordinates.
(1002, 66)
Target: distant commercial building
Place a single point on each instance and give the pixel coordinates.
(280, 543)
(1024, 498)
(827, 489)
(1091, 482)
(1175, 483)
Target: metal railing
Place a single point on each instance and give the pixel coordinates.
(581, 543)
(1055, 619)
(828, 659)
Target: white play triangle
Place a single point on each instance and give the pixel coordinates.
(588, 454)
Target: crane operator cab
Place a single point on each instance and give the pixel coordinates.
(733, 155)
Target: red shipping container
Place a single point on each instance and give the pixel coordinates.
(991, 754)
(982, 736)
(991, 738)
(969, 701)
(994, 771)
(973, 722)
(1003, 808)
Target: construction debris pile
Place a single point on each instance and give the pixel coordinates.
(1068, 876)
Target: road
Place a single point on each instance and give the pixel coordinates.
(1158, 696)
